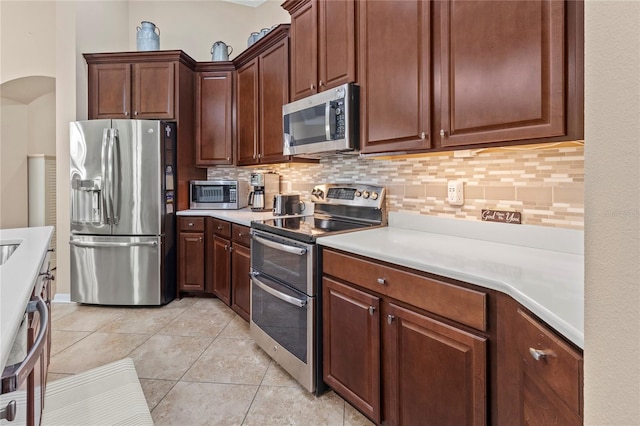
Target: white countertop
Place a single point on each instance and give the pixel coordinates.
(241, 216)
(540, 267)
(18, 275)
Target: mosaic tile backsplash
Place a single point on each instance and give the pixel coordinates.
(543, 182)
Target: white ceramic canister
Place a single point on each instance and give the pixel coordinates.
(146, 38)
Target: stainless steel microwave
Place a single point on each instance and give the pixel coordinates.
(218, 194)
(322, 124)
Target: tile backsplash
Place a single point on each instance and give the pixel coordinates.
(543, 182)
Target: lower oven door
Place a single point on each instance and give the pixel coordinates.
(282, 324)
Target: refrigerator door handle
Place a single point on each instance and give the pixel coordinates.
(105, 176)
(111, 244)
(114, 143)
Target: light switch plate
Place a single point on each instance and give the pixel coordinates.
(455, 192)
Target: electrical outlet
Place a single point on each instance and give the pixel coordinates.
(455, 192)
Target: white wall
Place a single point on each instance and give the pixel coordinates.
(14, 142)
(193, 26)
(42, 125)
(28, 43)
(612, 213)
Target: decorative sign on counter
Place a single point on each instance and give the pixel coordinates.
(501, 216)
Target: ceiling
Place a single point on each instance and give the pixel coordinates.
(252, 3)
(26, 89)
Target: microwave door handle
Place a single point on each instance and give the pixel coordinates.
(282, 247)
(275, 293)
(327, 122)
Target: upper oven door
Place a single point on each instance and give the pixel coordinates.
(283, 259)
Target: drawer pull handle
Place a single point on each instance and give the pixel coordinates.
(390, 319)
(219, 227)
(381, 281)
(539, 354)
(9, 412)
(371, 310)
(190, 223)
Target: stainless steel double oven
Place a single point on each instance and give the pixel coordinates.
(286, 307)
(283, 302)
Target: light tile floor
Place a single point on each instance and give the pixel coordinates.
(196, 362)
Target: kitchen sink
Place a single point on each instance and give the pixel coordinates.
(6, 250)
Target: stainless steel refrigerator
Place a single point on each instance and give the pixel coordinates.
(122, 212)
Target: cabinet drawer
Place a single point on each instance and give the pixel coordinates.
(191, 223)
(561, 366)
(240, 234)
(221, 227)
(456, 303)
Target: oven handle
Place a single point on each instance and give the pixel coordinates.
(282, 247)
(275, 293)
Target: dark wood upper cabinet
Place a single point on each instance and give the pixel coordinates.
(262, 89)
(501, 68)
(503, 73)
(247, 113)
(304, 49)
(153, 90)
(394, 75)
(323, 35)
(109, 91)
(214, 114)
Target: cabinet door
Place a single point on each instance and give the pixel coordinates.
(274, 93)
(109, 91)
(240, 284)
(214, 135)
(501, 70)
(304, 50)
(393, 73)
(433, 373)
(247, 113)
(221, 269)
(153, 90)
(191, 261)
(351, 338)
(336, 43)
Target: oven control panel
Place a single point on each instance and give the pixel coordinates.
(360, 195)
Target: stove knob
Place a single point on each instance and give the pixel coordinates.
(365, 194)
(374, 195)
(358, 193)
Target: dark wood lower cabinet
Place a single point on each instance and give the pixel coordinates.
(433, 373)
(222, 268)
(240, 281)
(351, 321)
(191, 255)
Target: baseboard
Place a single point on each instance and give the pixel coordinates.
(62, 298)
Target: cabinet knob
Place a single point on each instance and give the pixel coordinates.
(539, 354)
(240, 234)
(390, 319)
(381, 281)
(371, 310)
(226, 247)
(423, 135)
(190, 223)
(135, 113)
(126, 113)
(313, 86)
(219, 227)
(200, 239)
(442, 133)
(321, 84)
